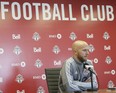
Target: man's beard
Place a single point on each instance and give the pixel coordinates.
(81, 59)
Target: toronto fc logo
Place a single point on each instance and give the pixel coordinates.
(106, 36)
(19, 78)
(72, 36)
(110, 84)
(40, 90)
(108, 60)
(91, 48)
(36, 36)
(17, 50)
(38, 63)
(56, 49)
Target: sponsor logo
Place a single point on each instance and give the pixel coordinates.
(37, 50)
(107, 47)
(1, 50)
(72, 36)
(95, 60)
(110, 84)
(57, 63)
(18, 91)
(56, 49)
(58, 36)
(89, 35)
(108, 60)
(38, 63)
(17, 50)
(106, 35)
(91, 48)
(36, 36)
(14, 36)
(40, 90)
(43, 77)
(22, 64)
(19, 78)
(112, 72)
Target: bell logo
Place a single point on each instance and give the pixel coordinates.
(107, 47)
(37, 49)
(18, 91)
(89, 35)
(16, 36)
(57, 63)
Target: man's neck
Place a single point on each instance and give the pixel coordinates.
(77, 60)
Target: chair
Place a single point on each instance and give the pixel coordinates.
(52, 78)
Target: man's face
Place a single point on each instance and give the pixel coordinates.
(82, 54)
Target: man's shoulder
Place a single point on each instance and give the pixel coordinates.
(70, 59)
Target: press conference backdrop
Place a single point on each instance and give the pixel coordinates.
(37, 34)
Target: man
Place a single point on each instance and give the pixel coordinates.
(73, 75)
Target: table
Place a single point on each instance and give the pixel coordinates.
(101, 91)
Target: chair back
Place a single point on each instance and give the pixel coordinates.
(52, 78)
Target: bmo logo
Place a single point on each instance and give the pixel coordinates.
(23, 64)
(58, 36)
(1, 50)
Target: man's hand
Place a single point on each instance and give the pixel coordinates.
(88, 80)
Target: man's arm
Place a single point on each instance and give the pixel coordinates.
(74, 85)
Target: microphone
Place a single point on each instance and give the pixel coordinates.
(89, 67)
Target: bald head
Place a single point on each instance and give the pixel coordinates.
(79, 44)
(80, 50)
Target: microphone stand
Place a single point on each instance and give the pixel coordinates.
(91, 75)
